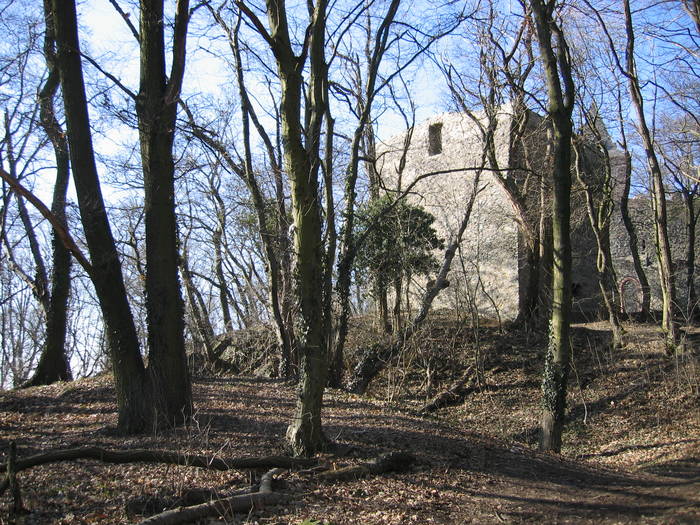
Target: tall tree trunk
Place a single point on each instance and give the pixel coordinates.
(302, 162)
(529, 307)
(397, 305)
(663, 251)
(53, 364)
(375, 48)
(133, 396)
(599, 218)
(554, 55)
(220, 278)
(202, 324)
(691, 220)
(156, 108)
(383, 306)
(276, 244)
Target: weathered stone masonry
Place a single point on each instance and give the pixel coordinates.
(491, 268)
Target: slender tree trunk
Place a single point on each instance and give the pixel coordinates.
(40, 282)
(133, 396)
(663, 251)
(202, 324)
(383, 305)
(545, 249)
(156, 109)
(530, 304)
(335, 359)
(302, 162)
(375, 48)
(397, 326)
(607, 282)
(554, 55)
(599, 218)
(220, 278)
(278, 257)
(53, 364)
(690, 224)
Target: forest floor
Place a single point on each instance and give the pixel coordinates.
(631, 446)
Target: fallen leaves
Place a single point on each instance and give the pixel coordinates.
(475, 463)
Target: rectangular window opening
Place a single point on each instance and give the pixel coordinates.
(435, 139)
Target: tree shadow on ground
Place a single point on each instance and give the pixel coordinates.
(547, 485)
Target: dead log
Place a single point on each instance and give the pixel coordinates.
(454, 394)
(156, 456)
(223, 507)
(384, 464)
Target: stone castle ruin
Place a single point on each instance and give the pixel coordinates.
(494, 272)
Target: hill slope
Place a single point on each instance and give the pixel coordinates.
(632, 453)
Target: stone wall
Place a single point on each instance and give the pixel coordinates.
(642, 216)
(488, 254)
(489, 271)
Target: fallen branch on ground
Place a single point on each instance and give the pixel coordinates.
(223, 507)
(156, 456)
(453, 395)
(392, 462)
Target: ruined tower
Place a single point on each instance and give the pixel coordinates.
(439, 159)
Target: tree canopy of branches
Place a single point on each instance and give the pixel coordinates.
(252, 177)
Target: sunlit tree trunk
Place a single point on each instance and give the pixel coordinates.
(599, 205)
(554, 55)
(301, 144)
(663, 251)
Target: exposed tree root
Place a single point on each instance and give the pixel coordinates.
(453, 395)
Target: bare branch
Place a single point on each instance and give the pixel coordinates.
(127, 19)
(56, 223)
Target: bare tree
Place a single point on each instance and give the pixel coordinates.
(628, 68)
(556, 62)
(680, 151)
(53, 364)
(159, 395)
(599, 198)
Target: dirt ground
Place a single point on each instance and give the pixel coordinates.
(631, 453)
